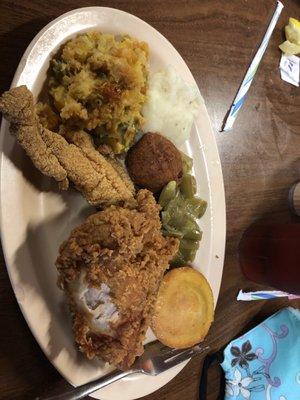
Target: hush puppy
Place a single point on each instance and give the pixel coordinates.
(153, 162)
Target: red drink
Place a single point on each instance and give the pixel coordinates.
(270, 255)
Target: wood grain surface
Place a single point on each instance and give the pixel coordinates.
(260, 157)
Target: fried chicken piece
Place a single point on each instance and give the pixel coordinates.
(50, 152)
(111, 268)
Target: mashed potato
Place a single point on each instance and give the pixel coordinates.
(98, 83)
(171, 106)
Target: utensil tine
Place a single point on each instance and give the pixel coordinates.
(156, 347)
(183, 355)
(159, 359)
(167, 352)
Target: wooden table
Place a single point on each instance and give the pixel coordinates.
(260, 157)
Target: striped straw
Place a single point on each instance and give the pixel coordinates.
(242, 92)
(265, 295)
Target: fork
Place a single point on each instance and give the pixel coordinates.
(156, 359)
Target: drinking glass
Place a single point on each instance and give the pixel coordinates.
(269, 254)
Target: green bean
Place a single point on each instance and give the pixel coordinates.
(187, 163)
(178, 260)
(186, 225)
(181, 222)
(171, 231)
(188, 186)
(180, 210)
(196, 206)
(187, 256)
(165, 217)
(186, 253)
(174, 222)
(175, 206)
(186, 244)
(167, 194)
(192, 255)
(194, 235)
(179, 219)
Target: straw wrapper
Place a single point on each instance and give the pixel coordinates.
(241, 95)
(265, 295)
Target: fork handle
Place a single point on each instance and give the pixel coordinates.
(84, 390)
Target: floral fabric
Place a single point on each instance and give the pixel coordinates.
(264, 364)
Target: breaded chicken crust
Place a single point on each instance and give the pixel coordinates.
(78, 162)
(123, 249)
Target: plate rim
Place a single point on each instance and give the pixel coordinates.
(4, 127)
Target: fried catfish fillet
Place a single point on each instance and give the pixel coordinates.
(78, 162)
(111, 268)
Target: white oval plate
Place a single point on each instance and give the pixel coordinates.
(36, 217)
